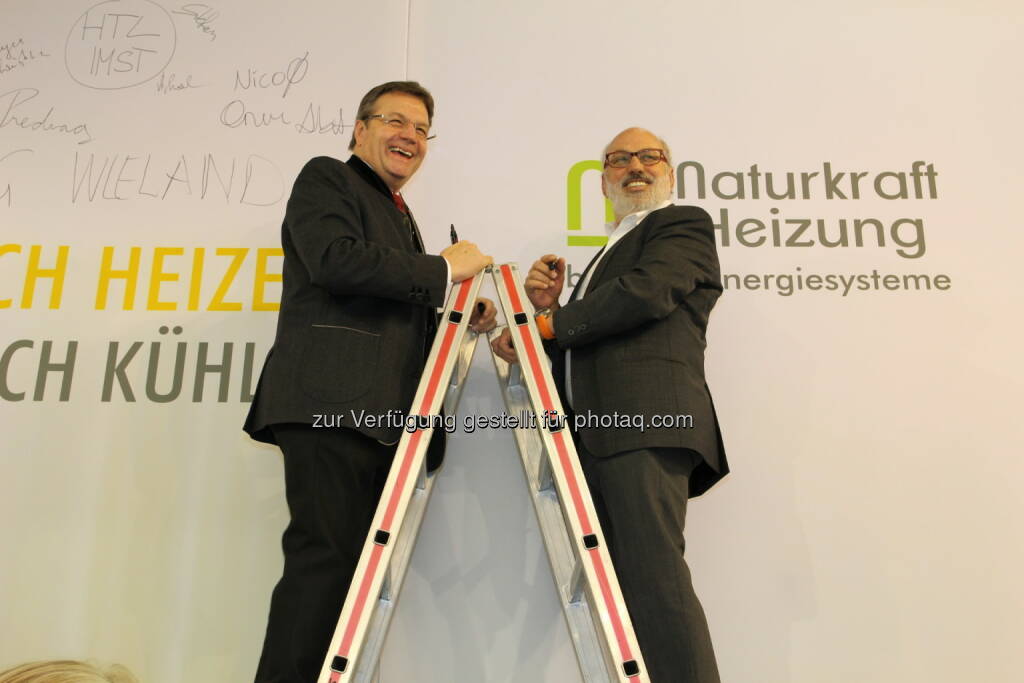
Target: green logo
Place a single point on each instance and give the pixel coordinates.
(574, 206)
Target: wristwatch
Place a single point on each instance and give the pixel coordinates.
(544, 324)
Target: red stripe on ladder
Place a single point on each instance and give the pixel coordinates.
(526, 344)
(403, 474)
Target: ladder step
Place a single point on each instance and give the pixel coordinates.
(577, 584)
(545, 475)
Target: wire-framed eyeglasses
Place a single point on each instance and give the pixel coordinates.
(399, 122)
(647, 157)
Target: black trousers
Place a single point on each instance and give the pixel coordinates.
(333, 481)
(640, 497)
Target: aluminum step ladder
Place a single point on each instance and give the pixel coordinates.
(599, 624)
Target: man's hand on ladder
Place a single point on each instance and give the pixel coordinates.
(484, 316)
(502, 347)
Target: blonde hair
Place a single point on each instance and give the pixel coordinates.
(67, 671)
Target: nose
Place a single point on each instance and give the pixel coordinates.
(634, 164)
(408, 131)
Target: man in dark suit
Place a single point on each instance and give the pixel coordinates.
(357, 318)
(627, 353)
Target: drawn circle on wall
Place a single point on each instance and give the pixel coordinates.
(120, 44)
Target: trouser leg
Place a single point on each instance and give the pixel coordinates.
(333, 481)
(640, 497)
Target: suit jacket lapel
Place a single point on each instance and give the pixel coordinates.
(417, 237)
(604, 261)
(408, 229)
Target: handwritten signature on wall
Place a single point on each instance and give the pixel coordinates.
(6, 192)
(202, 15)
(15, 55)
(13, 113)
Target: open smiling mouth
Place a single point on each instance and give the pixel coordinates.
(402, 152)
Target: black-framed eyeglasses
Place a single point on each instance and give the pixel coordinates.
(399, 122)
(647, 157)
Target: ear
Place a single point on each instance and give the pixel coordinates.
(604, 185)
(672, 180)
(360, 132)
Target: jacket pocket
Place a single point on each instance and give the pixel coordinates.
(338, 363)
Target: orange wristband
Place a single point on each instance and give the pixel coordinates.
(544, 326)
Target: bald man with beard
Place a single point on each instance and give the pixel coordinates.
(630, 341)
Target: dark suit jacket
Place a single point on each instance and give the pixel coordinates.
(358, 305)
(637, 340)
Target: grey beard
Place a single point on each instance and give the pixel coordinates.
(624, 203)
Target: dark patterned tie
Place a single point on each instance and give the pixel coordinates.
(400, 203)
(431, 317)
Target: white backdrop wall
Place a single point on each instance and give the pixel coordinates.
(870, 531)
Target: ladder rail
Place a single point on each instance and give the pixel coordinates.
(370, 603)
(593, 572)
(594, 660)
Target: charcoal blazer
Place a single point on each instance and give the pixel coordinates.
(638, 337)
(358, 305)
